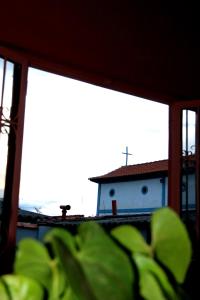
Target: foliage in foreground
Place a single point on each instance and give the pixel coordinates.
(94, 265)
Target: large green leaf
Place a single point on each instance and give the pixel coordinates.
(171, 242)
(69, 295)
(98, 269)
(149, 288)
(33, 260)
(107, 267)
(22, 288)
(71, 266)
(131, 238)
(148, 265)
(3, 292)
(66, 237)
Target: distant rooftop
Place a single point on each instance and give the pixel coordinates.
(25, 215)
(29, 217)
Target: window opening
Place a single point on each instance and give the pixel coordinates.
(188, 202)
(74, 131)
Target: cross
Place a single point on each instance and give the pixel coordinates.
(127, 154)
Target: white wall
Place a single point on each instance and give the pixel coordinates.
(130, 198)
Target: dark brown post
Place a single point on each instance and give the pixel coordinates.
(175, 154)
(197, 153)
(11, 193)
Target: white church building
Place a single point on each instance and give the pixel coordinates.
(139, 188)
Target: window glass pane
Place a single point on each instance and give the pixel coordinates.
(188, 163)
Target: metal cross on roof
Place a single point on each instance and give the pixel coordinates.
(127, 154)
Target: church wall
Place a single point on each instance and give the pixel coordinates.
(132, 196)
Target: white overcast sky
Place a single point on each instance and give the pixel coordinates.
(74, 131)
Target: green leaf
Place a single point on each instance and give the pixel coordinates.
(69, 295)
(149, 288)
(106, 266)
(66, 237)
(33, 261)
(64, 250)
(3, 292)
(98, 268)
(131, 238)
(148, 265)
(171, 242)
(22, 288)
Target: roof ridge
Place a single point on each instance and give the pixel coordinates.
(144, 163)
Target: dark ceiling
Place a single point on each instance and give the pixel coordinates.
(148, 48)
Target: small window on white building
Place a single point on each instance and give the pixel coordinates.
(112, 192)
(144, 190)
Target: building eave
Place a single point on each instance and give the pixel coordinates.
(129, 177)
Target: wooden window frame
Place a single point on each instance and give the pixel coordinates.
(13, 170)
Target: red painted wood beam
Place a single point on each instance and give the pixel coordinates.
(175, 152)
(11, 193)
(197, 154)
